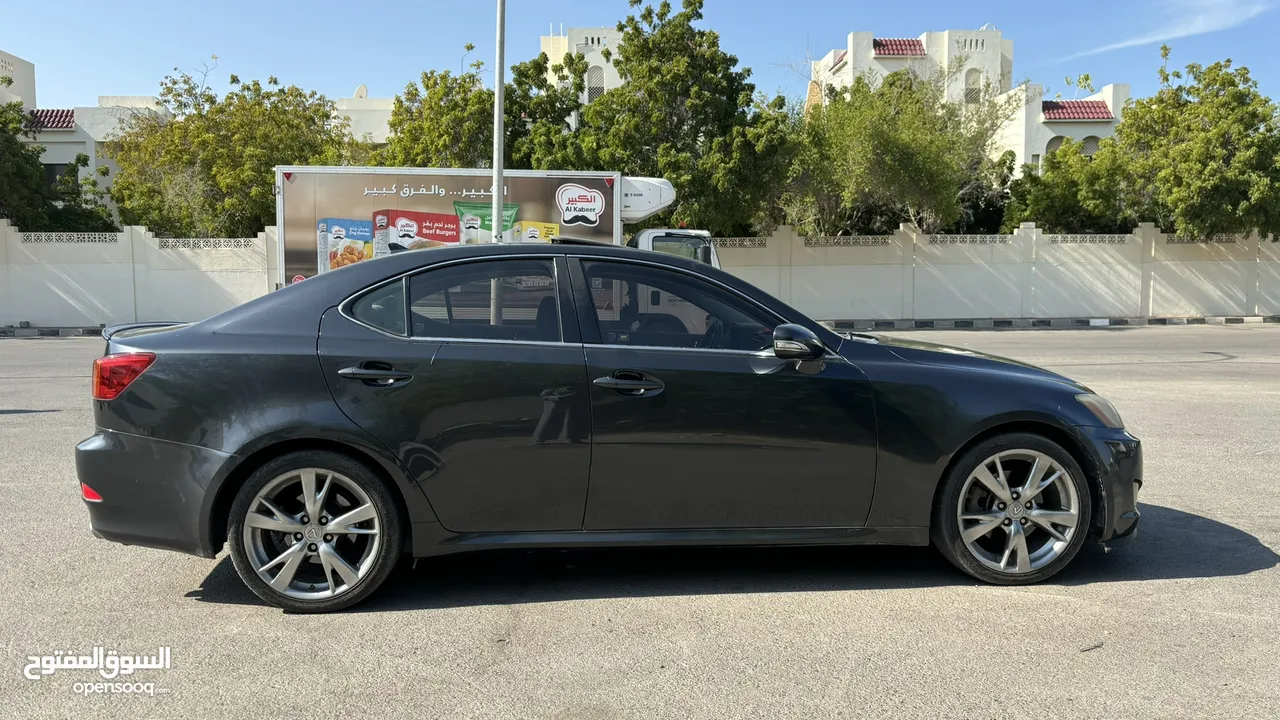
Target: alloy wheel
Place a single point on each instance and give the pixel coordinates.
(1018, 511)
(312, 534)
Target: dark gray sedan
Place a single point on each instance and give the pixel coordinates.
(571, 394)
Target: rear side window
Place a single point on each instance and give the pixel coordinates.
(513, 300)
(382, 308)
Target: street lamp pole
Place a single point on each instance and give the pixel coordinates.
(499, 199)
(499, 88)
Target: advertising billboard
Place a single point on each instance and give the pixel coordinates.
(333, 217)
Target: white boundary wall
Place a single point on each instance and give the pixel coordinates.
(1029, 274)
(86, 279)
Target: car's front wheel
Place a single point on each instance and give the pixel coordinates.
(314, 531)
(1014, 510)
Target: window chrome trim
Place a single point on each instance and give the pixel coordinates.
(403, 278)
(673, 348)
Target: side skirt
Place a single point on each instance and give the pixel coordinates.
(431, 539)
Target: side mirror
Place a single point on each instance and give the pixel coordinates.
(704, 254)
(796, 342)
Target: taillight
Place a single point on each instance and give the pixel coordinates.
(113, 373)
(89, 494)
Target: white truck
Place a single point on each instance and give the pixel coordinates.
(329, 217)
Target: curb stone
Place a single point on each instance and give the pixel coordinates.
(1020, 323)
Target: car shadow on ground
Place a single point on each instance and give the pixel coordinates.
(1172, 544)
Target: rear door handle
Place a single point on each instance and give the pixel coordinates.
(379, 376)
(630, 383)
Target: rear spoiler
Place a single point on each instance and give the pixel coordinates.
(108, 332)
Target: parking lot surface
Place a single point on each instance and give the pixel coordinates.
(1181, 623)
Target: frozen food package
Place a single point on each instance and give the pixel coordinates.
(528, 230)
(413, 230)
(476, 220)
(348, 241)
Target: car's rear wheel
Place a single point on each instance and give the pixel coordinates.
(314, 531)
(1014, 510)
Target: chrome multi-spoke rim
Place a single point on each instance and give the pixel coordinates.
(1018, 511)
(312, 534)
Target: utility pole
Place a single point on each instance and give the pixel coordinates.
(499, 197)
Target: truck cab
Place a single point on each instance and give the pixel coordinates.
(692, 244)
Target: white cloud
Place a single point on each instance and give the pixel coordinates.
(1185, 18)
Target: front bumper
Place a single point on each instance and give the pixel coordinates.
(1117, 457)
(153, 491)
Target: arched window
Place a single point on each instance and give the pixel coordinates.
(1091, 145)
(972, 85)
(595, 82)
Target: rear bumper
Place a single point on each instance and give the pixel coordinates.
(153, 491)
(1118, 456)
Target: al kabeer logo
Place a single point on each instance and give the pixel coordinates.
(406, 229)
(579, 205)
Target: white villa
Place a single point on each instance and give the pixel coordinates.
(591, 42)
(985, 56)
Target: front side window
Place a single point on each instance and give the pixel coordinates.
(487, 300)
(642, 305)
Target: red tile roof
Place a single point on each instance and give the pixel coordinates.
(46, 119)
(1075, 110)
(897, 46)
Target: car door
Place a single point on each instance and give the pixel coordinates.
(473, 373)
(697, 424)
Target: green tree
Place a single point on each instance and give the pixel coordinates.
(1204, 152)
(446, 120)
(1073, 193)
(1200, 157)
(687, 113)
(203, 165)
(72, 203)
(895, 149)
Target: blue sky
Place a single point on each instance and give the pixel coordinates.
(330, 46)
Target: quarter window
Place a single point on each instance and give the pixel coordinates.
(642, 305)
(487, 300)
(382, 308)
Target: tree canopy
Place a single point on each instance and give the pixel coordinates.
(446, 120)
(685, 112)
(893, 149)
(1199, 158)
(203, 165)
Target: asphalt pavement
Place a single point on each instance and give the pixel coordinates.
(1181, 623)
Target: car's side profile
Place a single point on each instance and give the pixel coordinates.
(568, 394)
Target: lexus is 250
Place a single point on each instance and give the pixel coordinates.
(568, 394)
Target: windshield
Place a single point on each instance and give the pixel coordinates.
(685, 246)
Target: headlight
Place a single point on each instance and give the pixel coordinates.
(1103, 410)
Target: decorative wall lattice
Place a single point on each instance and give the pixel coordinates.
(68, 237)
(1088, 239)
(970, 239)
(741, 242)
(1211, 240)
(846, 240)
(206, 243)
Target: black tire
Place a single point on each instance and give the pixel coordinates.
(388, 517)
(945, 527)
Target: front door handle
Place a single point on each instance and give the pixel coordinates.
(633, 384)
(375, 375)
